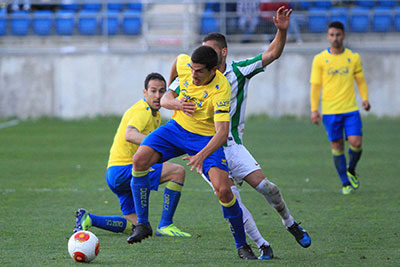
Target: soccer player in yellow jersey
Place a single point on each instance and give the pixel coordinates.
(332, 76)
(200, 134)
(137, 122)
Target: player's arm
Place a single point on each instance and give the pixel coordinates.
(220, 137)
(133, 135)
(169, 101)
(361, 84)
(315, 94)
(275, 49)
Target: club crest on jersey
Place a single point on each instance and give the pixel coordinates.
(205, 94)
(217, 86)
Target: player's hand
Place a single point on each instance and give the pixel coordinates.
(282, 18)
(366, 105)
(315, 117)
(187, 107)
(195, 161)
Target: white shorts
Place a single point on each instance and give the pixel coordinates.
(240, 162)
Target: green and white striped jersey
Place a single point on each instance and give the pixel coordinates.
(238, 73)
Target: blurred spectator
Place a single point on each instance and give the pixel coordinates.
(26, 5)
(248, 17)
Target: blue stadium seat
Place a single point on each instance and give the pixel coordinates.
(135, 6)
(304, 4)
(323, 4)
(209, 22)
(73, 7)
(317, 20)
(387, 3)
(3, 22)
(92, 6)
(20, 22)
(88, 22)
(65, 22)
(132, 22)
(365, 3)
(112, 25)
(397, 19)
(115, 6)
(42, 22)
(339, 14)
(382, 20)
(359, 19)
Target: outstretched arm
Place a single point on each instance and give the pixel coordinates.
(281, 21)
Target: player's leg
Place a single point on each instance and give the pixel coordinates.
(231, 210)
(353, 130)
(174, 175)
(334, 127)
(251, 229)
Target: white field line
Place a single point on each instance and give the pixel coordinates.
(7, 124)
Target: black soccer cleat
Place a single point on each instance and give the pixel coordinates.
(141, 232)
(300, 235)
(266, 253)
(246, 253)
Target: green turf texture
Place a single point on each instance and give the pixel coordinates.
(49, 168)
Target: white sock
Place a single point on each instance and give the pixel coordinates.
(273, 196)
(249, 224)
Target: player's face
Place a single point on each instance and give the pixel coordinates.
(155, 90)
(335, 37)
(220, 52)
(200, 74)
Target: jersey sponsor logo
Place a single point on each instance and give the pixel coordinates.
(198, 102)
(222, 104)
(340, 71)
(186, 84)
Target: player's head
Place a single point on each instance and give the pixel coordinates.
(336, 34)
(203, 64)
(154, 89)
(218, 42)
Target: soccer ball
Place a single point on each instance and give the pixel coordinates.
(83, 246)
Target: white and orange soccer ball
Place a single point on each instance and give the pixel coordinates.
(83, 246)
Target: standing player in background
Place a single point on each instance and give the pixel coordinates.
(137, 122)
(242, 165)
(334, 71)
(199, 133)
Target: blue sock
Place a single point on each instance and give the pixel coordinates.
(234, 214)
(340, 163)
(140, 186)
(354, 157)
(115, 224)
(172, 194)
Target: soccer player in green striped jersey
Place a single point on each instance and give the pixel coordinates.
(242, 165)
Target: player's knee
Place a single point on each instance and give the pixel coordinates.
(179, 174)
(268, 188)
(140, 162)
(224, 194)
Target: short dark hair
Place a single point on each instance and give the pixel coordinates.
(153, 76)
(205, 55)
(336, 25)
(218, 37)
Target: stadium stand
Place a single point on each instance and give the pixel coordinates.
(88, 22)
(382, 19)
(339, 14)
(20, 22)
(209, 22)
(397, 19)
(132, 22)
(110, 24)
(3, 22)
(65, 22)
(317, 20)
(359, 19)
(42, 22)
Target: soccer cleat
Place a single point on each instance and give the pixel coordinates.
(300, 234)
(83, 221)
(245, 252)
(141, 232)
(171, 230)
(355, 183)
(266, 252)
(347, 189)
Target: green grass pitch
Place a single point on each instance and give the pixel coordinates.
(49, 168)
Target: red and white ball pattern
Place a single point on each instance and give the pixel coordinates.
(83, 246)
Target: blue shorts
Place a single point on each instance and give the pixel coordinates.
(119, 180)
(349, 122)
(171, 141)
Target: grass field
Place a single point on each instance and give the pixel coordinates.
(49, 168)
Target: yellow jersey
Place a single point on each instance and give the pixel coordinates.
(139, 116)
(336, 73)
(212, 100)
